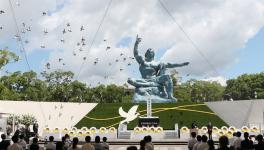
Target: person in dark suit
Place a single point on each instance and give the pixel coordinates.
(246, 143)
(4, 143)
(210, 130)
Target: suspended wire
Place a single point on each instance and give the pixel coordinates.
(95, 35)
(188, 37)
(22, 48)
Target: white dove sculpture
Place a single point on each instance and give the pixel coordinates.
(130, 115)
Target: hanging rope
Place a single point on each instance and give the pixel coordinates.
(22, 48)
(95, 35)
(188, 37)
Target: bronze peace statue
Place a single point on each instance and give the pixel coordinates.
(155, 83)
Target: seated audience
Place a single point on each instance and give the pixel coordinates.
(203, 145)
(142, 145)
(59, 145)
(211, 144)
(88, 145)
(105, 144)
(51, 145)
(75, 142)
(260, 145)
(238, 140)
(148, 143)
(246, 144)
(15, 145)
(4, 143)
(22, 141)
(223, 143)
(132, 148)
(199, 141)
(97, 144)
(192, 141)
(34, 145)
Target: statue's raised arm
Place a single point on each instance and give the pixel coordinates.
(139, 58)
(171, 65)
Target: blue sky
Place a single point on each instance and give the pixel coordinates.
(251, 58)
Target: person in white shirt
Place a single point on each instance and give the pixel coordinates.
(238, 140)
(51, 145)
(192, 141)
(232, 140)
(203, 145)
(88, 145)
(15, 145)
(199, 141)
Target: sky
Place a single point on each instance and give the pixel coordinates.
(221, 39)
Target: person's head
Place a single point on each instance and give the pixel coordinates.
(234, 134)
(104, 139)
(75, 142)
(199, 138)
(35, 140)
(87, 139)
(67, 136)
(149, 55)
(21, 136)
(59, 145)
(147, 138)
(97, 139)
(193, 134)
(238, 134)
(223, 141)
(15, 139)
(51, 138)
(259, 138)
(3, 136)
(246, 135)
(132, 148)
(204, 138)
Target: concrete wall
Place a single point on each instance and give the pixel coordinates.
(52, 114)
(239, 113)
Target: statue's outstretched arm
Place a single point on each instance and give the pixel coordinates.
(170, 65)
(139, 58)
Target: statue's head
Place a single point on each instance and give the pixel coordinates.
(149, 55)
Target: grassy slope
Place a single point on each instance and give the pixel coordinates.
(167, 118)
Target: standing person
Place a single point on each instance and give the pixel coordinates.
(194, 125)
(34, 145)
(59, 145)
(203, 145)
(105, 144)
(22, 142)
(4, 143)
(97, 144)
(232, 140)
(74, 146)
(199, 141)
(210, 130)
(192, 141)
(15, 145)
(238, 140)
(260, 145)
(67, 141)
(51, 145)
(246, 143)
(88, 145)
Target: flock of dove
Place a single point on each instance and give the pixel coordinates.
(66, 29)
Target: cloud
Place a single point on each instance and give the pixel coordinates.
(218, 28)
(221, 80)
